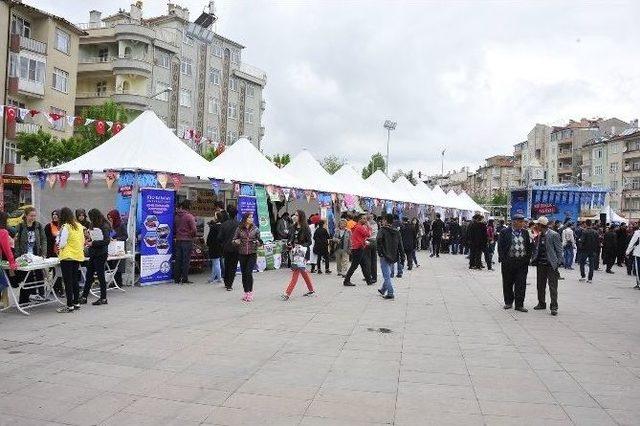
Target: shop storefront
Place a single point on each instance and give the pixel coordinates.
(16, 192)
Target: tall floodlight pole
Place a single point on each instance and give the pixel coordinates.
(389, 125)
(442, 163)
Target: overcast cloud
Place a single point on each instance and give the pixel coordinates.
(470, 76)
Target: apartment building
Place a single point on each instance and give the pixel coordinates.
(498, 175)
(454, 179)
(42, 53)
(520, 160)
(192, 77)
(566, 145)
(629, 141)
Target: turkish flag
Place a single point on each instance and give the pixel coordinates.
(100, 127)
(34, 112)
(117, 126)
(11, 114)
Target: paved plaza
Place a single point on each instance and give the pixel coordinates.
(196, 354)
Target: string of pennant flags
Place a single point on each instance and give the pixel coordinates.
(15, 114)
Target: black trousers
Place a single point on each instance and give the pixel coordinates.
(514, 281)
(592, 259)
(436, 245)
(409, 255)
(26, 292)
(547, 275)
(69, 270)
(488, 255)
(358, 258)
(96, 267)
(475, 258)
(230, 266)
(182, 261)
(372, 251)
(247, 263)
(319, 261)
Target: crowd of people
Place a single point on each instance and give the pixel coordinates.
(75, 238)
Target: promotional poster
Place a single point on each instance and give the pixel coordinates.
(156, 235)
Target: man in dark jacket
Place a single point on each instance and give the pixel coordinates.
(455, 236)
(588, 244)
(390, 250)
(437, 229)
(229, 251)
(514, 253)
(409, 238)
(622, 239)
(185, 231)
(547, 257)
(477, 241)
(610, 248)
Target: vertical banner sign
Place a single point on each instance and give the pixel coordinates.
(247, 204)
(123, 196)
(263, 214)
(156, 235)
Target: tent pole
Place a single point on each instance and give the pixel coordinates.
(133, 219)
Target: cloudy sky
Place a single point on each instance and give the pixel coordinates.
(471, 76)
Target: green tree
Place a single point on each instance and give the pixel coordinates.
(479, 199)
(500, 199)
(375, 163)
(280, 160)
(396, 175)
(210, 153)
(108, 111)
(332, 163)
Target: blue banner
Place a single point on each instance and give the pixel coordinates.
(156, 235)
(123, 196)
(248, 204)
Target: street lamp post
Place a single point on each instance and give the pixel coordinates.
(389, 125)
(167, 90)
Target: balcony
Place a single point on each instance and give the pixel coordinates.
(36, 46)
(131, 30)
(27, 128)
(565, 153)
(128, 99)
(29, 88)
(99, 64)
(118, 65)
(565, 170)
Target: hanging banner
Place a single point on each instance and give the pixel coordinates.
(63, 177)
(215, 185)
(176, 179)
(147, 180)
(86, 177)
(263, 214)
(248, 204)
(42, 179)
(156, 212)
(110, 177)
(52, 178)
(286, 192)
(162, 179)
(123, 196)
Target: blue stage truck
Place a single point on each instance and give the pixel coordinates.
(556, 202)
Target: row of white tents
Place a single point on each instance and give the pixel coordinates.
(148, 145)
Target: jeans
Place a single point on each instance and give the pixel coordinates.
(182, 261)
(636, 264)
(385, 268)
(568, 257)
(247, 263)
(294, 280)
(455, 246)
(415, 258)
(546, 274)
(488, 254)
(69, 269)
(216, 273)
(592, 264)
(392, 269)
(96, 266)
(230, 266)
(358, 258)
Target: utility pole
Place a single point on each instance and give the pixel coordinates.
(442, 165)
(389, 125)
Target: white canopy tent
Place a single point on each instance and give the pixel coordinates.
(242, 162)
(423, 190)
(439, 198)
(145, 144)
(469, 201)
(383, 186)
(353, 184)
(311, 175)
(457, 202)
(403, 184)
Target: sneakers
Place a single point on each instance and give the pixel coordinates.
(521, 309)
(389, 297)
(245, 298)
(589, 281)
(76, 307)
(36, 298)
(327, 271)
(250, 296)
(285, 297)
(309, 293)
(100, 302)
(583, 279)
(348, 284)
(554, 313)
(319, 272)
(65, 309)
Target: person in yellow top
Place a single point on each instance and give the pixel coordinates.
(71, 253)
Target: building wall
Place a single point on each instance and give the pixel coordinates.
(4, 46)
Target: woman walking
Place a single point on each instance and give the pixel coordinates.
(247, 239)
(118, 233)
(215, 246)
(416, 225)
(30, 239)
(321, 247)
(98, 252)
(299, 243)
(71, 254)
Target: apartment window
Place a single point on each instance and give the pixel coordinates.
(232, 110)
(11, 153)
(186, 66)
(635, 183)
(614, 167)
(58, 124)
(233, 84)
(212, 133)
(614, 185)
(186, 39)
(633, 146)
(20, 26)
(235, 56)
(213, 106)
(32, 70)
(614, 148)
(538, 153)
(231, 137)
(14, 61)
(597, 153)
(635, 166)
(217, 49)
(15, 103)
(248, 114)
(185, 98)
(163, 59)
(101, 88)
(63, 41)
(60, 80)
(160, 87)
(103, 54)
(597, 170)
(251, 90)
(182, 128)
(214, 76)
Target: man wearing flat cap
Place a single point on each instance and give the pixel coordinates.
(514, 254)
(547, 257)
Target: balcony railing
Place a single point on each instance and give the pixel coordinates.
(33, 45)
(27, 128)
(167, 36)
(31, 87)
(107, 93)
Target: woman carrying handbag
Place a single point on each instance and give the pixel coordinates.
(299, 242)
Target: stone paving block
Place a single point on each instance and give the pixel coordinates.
(589, 416)
(523, 409)
(97, 409)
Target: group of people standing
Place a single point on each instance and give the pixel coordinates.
(67, 236)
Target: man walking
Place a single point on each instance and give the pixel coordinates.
(568, 245)
(390, 251)
(359, 240)
(437, 229)
(491, 244)
(622, 238)
(408, 234)
(514, 252)
(455, 236)
(185, 226)
(547, 257)
(229, 251)
(589, 243)
(342, 240)
(370, 251)
(477, 240)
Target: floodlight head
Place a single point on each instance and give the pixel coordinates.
(390, 125)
